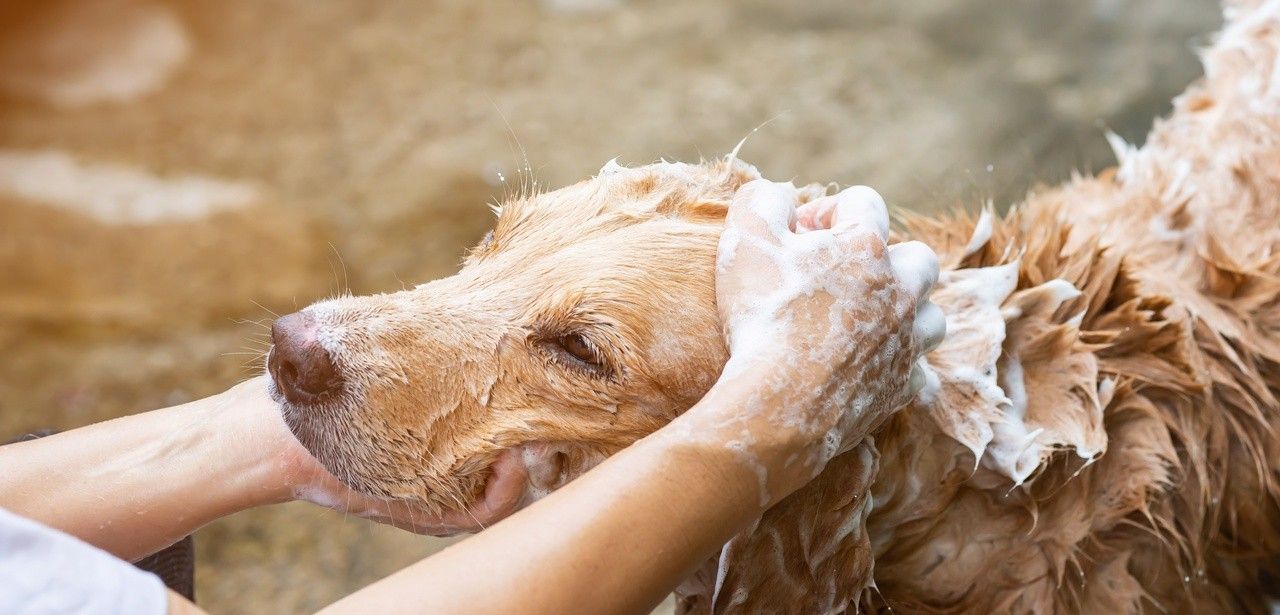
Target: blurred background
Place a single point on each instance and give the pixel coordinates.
(172, 173)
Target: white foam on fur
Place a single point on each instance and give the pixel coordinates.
(981, 233)
(1014, 450)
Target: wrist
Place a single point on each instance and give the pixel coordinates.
(252, 447)
(736, 428)
(761, 405)
(687, 449)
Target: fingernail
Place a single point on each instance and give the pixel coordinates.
(862, 204)
(917, 378)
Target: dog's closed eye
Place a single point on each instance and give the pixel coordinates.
(579, 348)
(575, 351)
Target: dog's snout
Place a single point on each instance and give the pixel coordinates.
(301, 367)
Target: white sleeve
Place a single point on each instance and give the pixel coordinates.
(46, 572)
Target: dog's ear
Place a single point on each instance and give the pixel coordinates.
(811, 553)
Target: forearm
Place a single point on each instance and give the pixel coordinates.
(618, 539)
(134, 485)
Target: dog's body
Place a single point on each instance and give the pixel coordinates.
(1099, 433)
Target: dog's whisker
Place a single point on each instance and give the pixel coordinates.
(343, 284)
(524, 190)
(268, 310)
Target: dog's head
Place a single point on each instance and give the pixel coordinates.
(584, 321)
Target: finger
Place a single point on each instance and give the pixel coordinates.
(930, 326)
(914, 265)
(861, 206)
(763, 208)
(816, 214)
(918, 377)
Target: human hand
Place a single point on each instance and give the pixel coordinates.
(825, 325)
(289, 472)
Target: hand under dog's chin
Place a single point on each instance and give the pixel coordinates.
(519, 476)
(503, 492)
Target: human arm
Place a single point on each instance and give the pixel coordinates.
(617, 538)
(149, 477)
(134, 485)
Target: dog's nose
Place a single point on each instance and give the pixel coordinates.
(303, 370)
